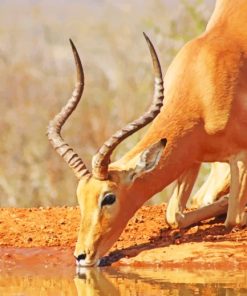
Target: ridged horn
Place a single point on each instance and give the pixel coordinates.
(102, 159)
(55, 125)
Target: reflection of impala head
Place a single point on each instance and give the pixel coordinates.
(93, 281)
(108, 197)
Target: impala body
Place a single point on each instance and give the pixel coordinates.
(204, 119)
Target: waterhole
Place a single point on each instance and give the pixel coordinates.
(52, 272)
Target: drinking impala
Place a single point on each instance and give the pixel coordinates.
(204, 119)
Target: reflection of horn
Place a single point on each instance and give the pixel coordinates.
(93, 282)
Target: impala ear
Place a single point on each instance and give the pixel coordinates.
(147, 160)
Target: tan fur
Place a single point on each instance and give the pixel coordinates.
(204, 119)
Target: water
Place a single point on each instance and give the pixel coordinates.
(127, 281)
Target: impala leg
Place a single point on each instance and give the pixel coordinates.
(238, 191)
(216, 186)
(177, 202)
(213, 210)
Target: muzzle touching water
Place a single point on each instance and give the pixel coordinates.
(83, 261)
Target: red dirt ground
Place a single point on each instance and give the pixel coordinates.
(50, 234)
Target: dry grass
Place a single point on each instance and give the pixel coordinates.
(37, 75)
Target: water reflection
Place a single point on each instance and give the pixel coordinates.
(152, 282)
(127, 281)
(95, 282)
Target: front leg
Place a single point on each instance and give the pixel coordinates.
(177, 202)
(213, 210)
(238, 191)
(216, 186)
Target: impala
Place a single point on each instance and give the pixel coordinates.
(204, 120)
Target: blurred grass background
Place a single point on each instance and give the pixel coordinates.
(37, 76)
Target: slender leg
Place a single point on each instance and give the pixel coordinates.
(216, 186)
(213, 210)
(238, 191)
(177, 202)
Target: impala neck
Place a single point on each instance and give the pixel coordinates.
(225, 12)
(183, 133)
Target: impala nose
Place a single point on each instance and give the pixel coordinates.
(84, 260)
(81, 257)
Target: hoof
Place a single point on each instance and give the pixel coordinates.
(240, 221)
(180, 220)
(172, 223)
(229, 225)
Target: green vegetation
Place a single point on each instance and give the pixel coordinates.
(37, 76)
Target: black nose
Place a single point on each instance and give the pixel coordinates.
(81, 257)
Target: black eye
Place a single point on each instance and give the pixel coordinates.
(109, 199)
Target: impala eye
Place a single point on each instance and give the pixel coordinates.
(109, 199)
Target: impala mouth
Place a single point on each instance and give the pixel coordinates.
(87, 263)
(82, 269)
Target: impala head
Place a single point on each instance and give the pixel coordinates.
(104, 195)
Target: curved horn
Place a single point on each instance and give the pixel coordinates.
(55, 125)
(102, 159)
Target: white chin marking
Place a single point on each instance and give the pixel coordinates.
(85, 263)
(81, 270)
